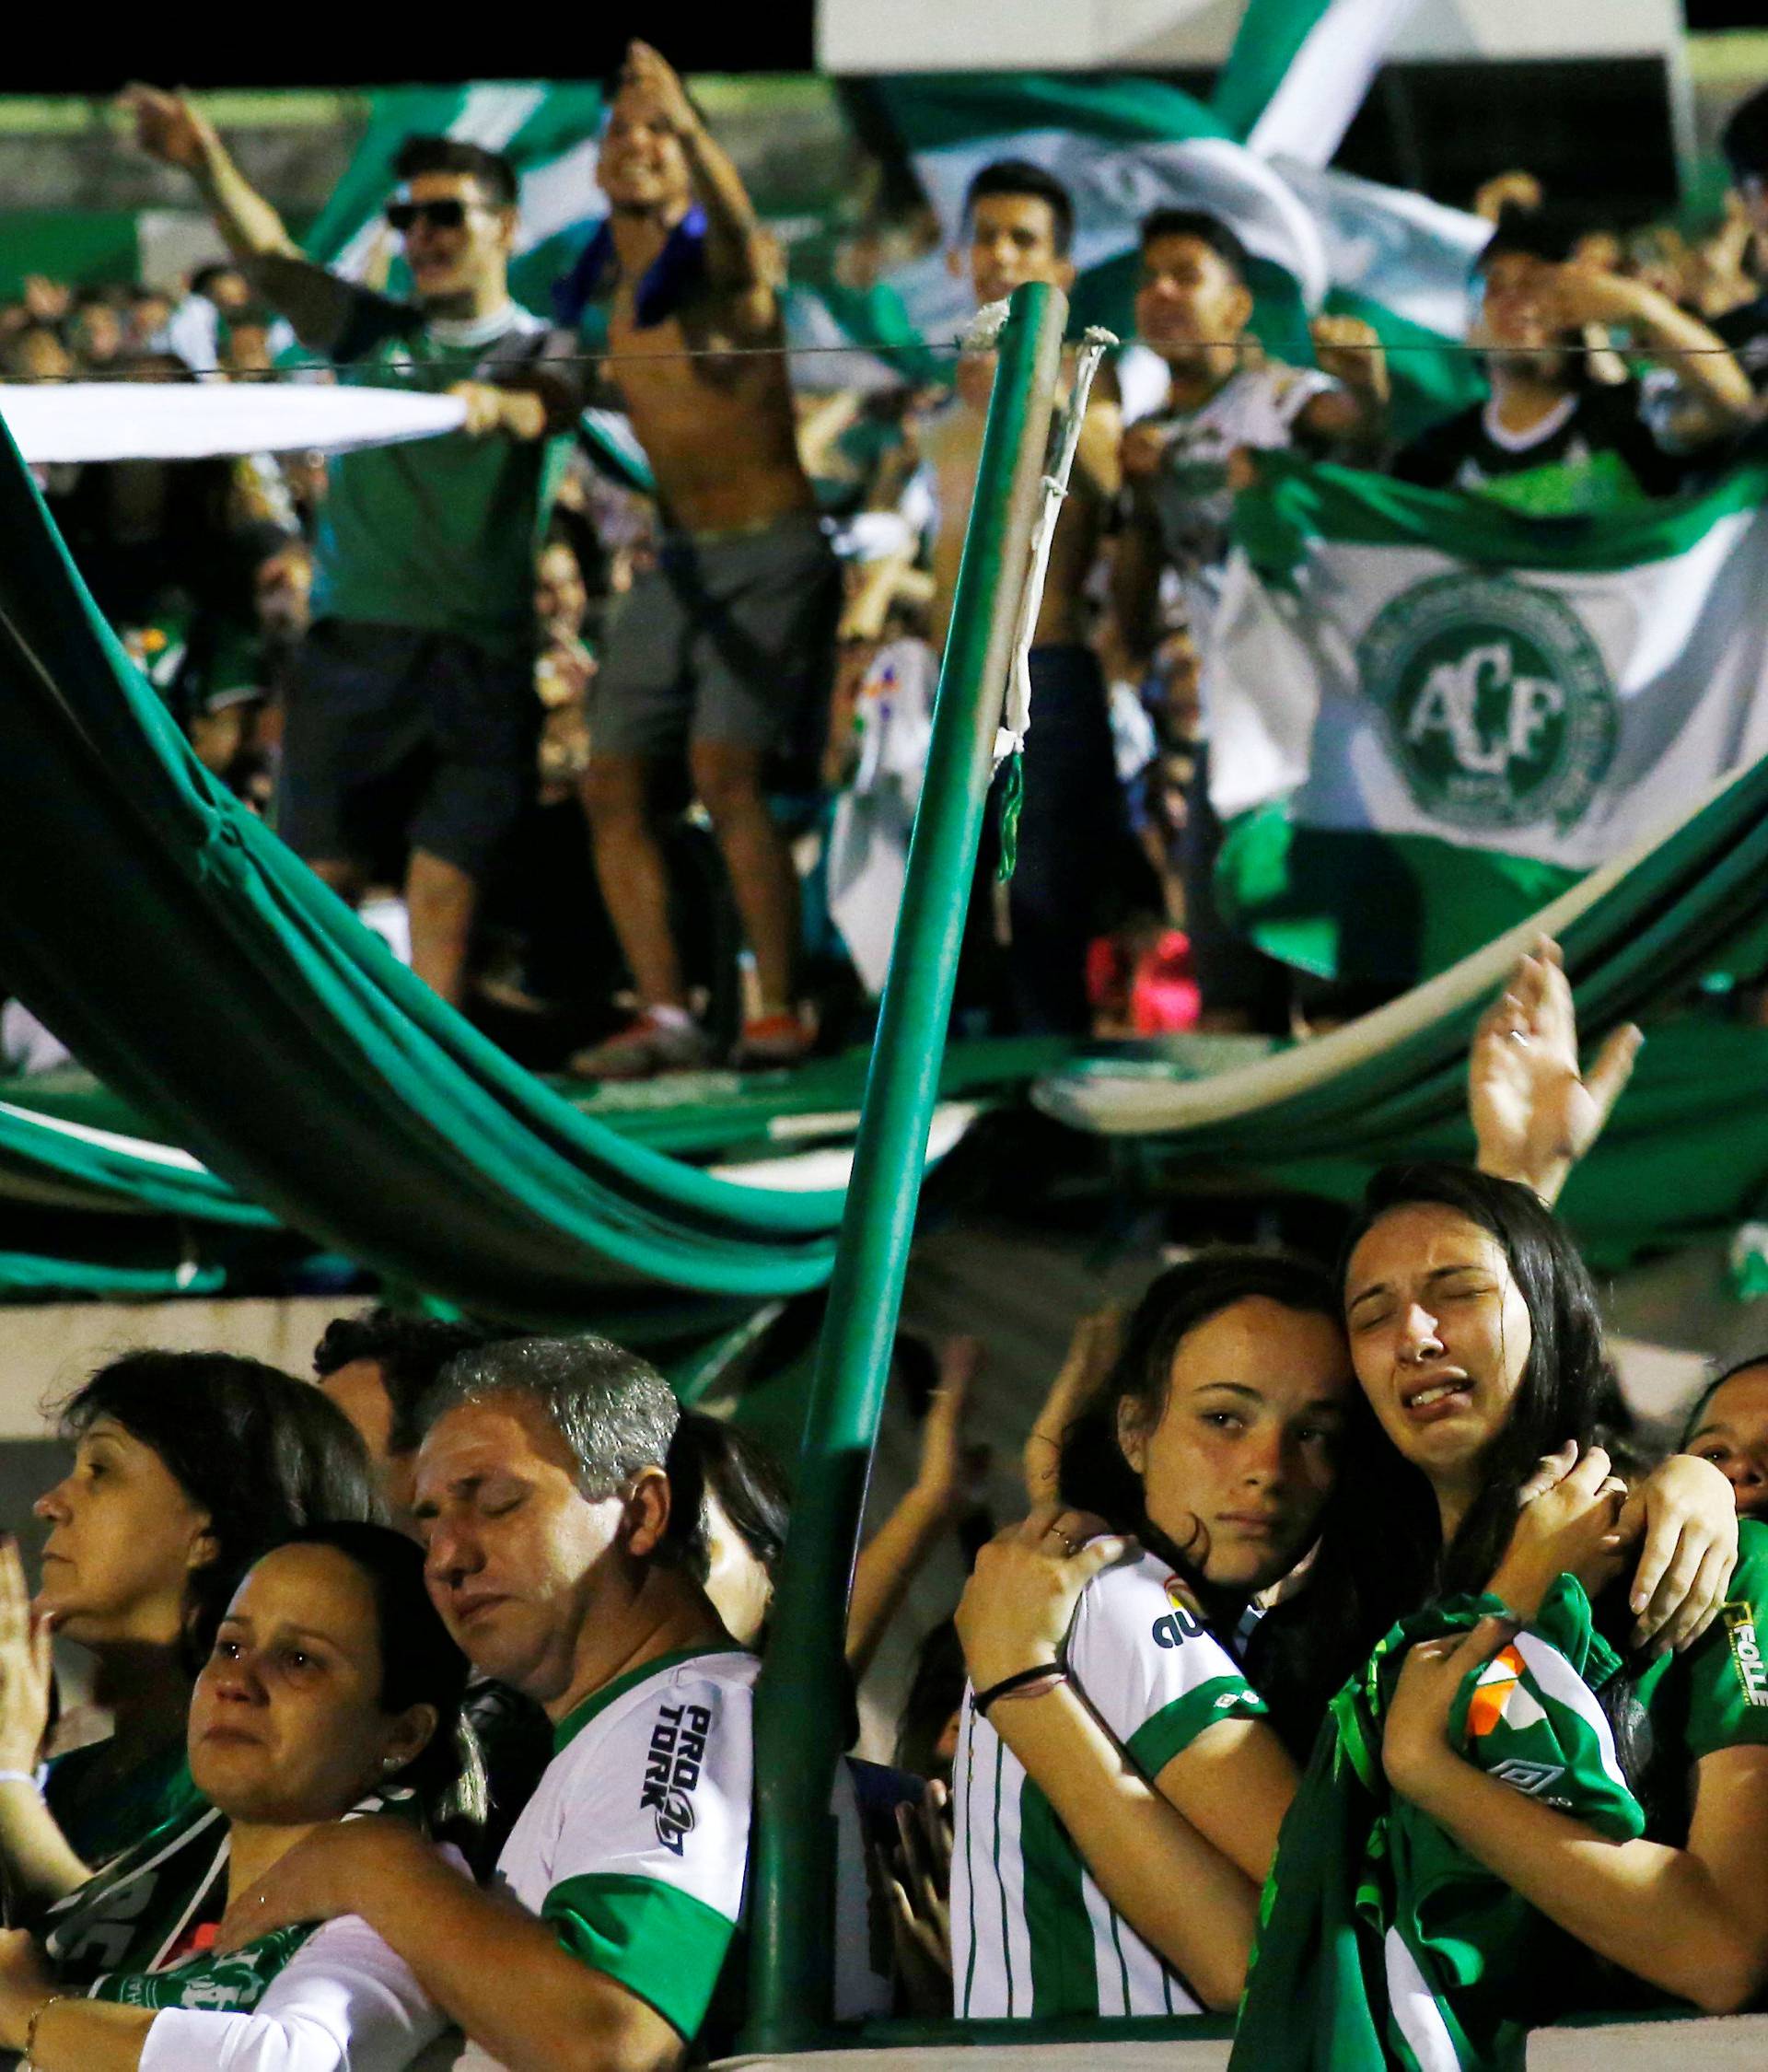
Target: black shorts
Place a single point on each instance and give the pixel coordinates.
(436, 722)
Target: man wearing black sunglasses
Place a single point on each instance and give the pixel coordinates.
(418, 673)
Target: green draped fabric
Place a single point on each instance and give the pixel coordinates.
(175, 944)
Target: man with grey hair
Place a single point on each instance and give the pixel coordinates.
(543, 1498)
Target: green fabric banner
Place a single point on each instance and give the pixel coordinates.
(208, 976)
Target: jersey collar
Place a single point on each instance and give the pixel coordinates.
(579, 1717)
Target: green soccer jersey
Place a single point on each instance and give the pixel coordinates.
(1384, 1947)
(100, 1824)
(1716, 1696)
(438, 535)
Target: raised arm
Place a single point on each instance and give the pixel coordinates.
(35, 1862)
(1706, 368)
(1535, 1113)
(169, 128)
(743, 258)
(890, 1559)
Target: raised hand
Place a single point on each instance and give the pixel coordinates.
(950, 1464)
(169, 128)
(1091, 1351)
(650, 70)
(1534, 1112)
(26, 1674)
(1350, 351)
(917, 1874)
(1508, 190)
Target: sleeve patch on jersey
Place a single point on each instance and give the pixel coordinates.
(1746, 1652)
(1175, 1726)
(655, 1940)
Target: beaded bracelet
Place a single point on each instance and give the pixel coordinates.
(36, 2014)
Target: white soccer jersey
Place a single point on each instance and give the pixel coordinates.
(1254, 409)
(1032, 1934)
(634, 1844)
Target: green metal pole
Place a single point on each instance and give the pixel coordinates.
(801, 1713)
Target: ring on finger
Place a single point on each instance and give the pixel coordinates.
(1069, 1546)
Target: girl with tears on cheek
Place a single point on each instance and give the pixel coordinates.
(333, 1691)
(1478, 1346)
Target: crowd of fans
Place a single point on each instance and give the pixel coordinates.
(544, 723)
(421, 1699)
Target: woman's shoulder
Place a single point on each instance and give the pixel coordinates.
(1142, 1601)
(1752, 1555)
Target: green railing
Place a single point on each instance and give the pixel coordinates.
(801, 1714)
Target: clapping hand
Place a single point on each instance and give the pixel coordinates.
(918, 1871)
(27, 1676)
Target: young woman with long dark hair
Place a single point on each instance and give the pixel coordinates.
(1478, 1346)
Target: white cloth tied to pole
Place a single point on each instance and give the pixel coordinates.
(76, 421)
(1016, 715)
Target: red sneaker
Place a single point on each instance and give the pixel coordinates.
(769, 1042)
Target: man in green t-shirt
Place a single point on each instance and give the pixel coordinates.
(419, 669)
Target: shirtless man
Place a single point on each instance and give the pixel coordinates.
(726, 647)
(1020, 223)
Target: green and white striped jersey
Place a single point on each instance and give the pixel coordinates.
(1031, 1932)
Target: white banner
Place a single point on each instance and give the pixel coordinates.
(76, 421)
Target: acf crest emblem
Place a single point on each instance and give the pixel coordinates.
(1497, 705)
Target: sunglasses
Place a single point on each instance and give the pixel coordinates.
(405, 216)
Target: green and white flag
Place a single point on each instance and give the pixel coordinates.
(1122, 147)
(549, 132)
(1432, 712)
(1298, 71)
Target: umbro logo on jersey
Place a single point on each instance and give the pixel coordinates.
(678, 1749)
(1746, 1652)
(1183, 1623)
(1531, 1778)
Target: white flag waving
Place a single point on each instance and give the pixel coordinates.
(1492, 699)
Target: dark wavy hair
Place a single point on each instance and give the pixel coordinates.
(1391, 1560)
(410, 1351)
(1567, 1390)
(265, 1455)
(709, 1457)
(420, 1664)
(1092, 1473)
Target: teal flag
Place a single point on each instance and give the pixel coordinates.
(1298, 70)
